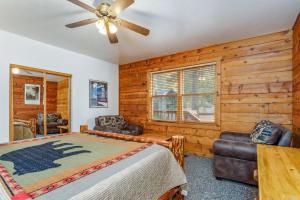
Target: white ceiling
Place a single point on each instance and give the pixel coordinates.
(176, 25)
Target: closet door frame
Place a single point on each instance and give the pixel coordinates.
(11, 100)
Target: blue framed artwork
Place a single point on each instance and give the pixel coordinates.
(98, 94)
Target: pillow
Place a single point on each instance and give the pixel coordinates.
(266, 132)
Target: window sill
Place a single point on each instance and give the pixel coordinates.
(209, 126)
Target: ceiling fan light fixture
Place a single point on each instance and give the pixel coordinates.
(100, 24)
(106, 18)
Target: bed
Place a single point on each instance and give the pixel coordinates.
(92, 165)
(24, 129)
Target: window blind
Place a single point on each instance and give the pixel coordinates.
(199, 88)
(164, 97)
(186, 94)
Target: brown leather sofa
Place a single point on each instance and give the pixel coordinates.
(116, 124)
(235, 155)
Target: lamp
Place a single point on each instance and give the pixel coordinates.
(15, 70)
(100, 24)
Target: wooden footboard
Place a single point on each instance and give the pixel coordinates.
(174, 194)
(176, 145)
(31, 123)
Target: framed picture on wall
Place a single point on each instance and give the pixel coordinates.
(98, 94)
(32, 94)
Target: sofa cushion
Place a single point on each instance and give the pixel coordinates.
(52, 124)
(266, 132)
(117, 122)
(53, 117)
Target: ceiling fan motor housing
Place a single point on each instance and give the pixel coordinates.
(107, 20)
(103, 10)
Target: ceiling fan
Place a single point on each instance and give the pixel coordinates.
(107, 20)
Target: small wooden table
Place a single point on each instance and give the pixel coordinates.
(61, 128)
(278, 172)
(83, 127)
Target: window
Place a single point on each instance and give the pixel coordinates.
(184, 95)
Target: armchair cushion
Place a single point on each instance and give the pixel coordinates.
(241, 137)
(286, 137)
(265, 132)
(235, 149)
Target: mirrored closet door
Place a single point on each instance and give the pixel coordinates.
(39, 102)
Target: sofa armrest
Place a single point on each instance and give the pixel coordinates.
(138, 129)
(234, 136)
(97, 122)
(62, 122)
(235, 149)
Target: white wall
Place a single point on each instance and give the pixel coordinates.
(15, 49)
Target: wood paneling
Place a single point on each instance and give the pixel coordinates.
(256, 83)
(27, 112)
(63, 98)
(296, 83)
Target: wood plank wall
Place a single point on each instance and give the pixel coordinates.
(256, 84)
(63, 98)
(27, 112)
(296, 83)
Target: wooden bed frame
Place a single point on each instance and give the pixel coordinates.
(31, 123)
(176, 145)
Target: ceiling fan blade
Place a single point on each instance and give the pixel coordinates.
(82, 23)
(134, 27)
(111, 36)
(83, 5)
(120, 5)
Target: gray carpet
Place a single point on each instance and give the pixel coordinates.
(202, 185)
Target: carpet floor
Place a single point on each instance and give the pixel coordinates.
(202, 184)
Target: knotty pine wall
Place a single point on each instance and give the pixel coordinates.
(296, 83)
(63, 98)
(26, 112)
(256, 84)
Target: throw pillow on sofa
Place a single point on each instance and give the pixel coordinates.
(265, 132)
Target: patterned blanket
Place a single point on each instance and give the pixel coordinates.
(31, 168)
(82, 166)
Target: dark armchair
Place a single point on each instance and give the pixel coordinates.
(116, 124)
(53, 120)
(235, 155)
